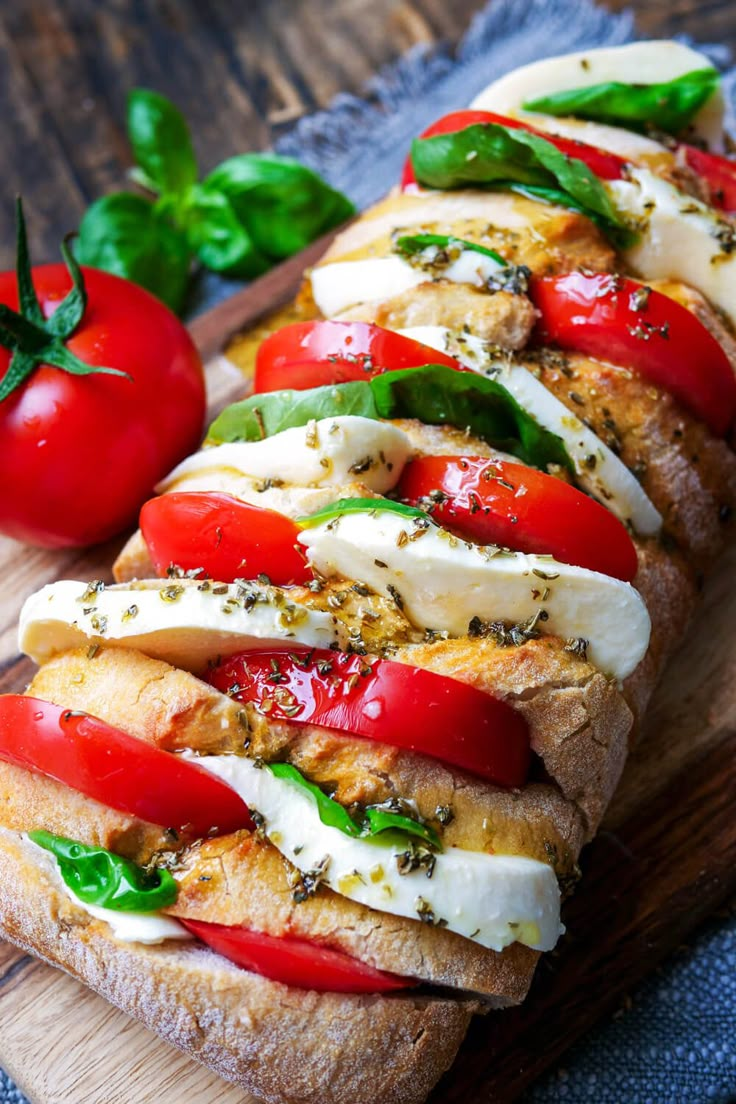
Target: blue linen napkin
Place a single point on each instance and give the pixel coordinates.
(676, 1044)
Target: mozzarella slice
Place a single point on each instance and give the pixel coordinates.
(342, 284)
(183, 622)
(443, 583)
(598, 470)
(495, 900)
(331, 451)
(650, 62)
(680, 238)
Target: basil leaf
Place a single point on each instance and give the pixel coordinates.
(409, 244)
(380, 820)
(359, 506)
(282, 205)
(123, 233)
(217, 237)
(669, 105)
(333, 814)
(330, 811)
(263, 415)
(161, 142)
(493, 155)
(439, 395)
(98, 877)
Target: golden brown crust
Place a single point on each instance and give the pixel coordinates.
(545, 238)
(502, 319)
(689, 474)
(286, 1045)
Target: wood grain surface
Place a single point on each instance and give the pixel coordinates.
(665, 859)
(241, 71)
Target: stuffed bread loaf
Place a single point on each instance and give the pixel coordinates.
(663, 467)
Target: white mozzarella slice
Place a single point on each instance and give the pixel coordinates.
(598, 470)
(331, 451)
(129, 927)
(634, 63)
(680, 238)
(443, 583)
(495, 900)
(182, 622)
(342, 284)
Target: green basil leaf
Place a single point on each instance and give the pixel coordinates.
(330, 811)
(439, 395)
(409, 244)
(263, 415)
(493, 155)
(281, 204)
(123, 233)
(98, 877)
(359, 506)
(161, 142)
(669, 105)
(217, 237)
(381, 820)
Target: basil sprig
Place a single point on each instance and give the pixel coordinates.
(375, 820)
(498, 157)
(433, 393)
(669, 106)
(98, 877)
(251, 211)
(359, 506)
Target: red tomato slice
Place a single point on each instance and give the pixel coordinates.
(119, 770)
(311, 354)
(381, 700)
(719, 174)
(620, 321)
(226, 538)
(606, 166)
(295, 962)
(493, 502)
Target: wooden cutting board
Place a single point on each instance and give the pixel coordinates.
(664, 861)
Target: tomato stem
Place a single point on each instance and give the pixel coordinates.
(33, 339)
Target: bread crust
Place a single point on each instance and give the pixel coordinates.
(285, 1045)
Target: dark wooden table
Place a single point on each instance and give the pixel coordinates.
(241, 70)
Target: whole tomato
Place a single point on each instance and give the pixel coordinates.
(79, 453)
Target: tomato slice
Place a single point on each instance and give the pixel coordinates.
(119, 770)
(226, 538)
(719, 174)
(381, 700)
(295, 962)
(493, 502)
(311, 354)
(621, 321)
(606, 166)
